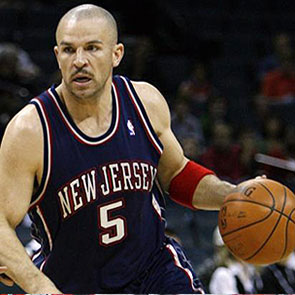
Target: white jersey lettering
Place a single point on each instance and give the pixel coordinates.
(105, 188)
(116, 182)
(127, 176)
(75, 195)
(115, 178)
(89, 184)
(65, 202)
(136, 172)
(145, 170)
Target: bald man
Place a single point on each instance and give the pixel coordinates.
(88, 159)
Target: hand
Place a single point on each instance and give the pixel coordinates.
(4, 279)
(261, 177)
(241, 185)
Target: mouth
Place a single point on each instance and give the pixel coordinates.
(81, 80)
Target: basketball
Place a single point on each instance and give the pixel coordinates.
(257, 223)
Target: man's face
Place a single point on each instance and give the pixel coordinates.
(86, 54)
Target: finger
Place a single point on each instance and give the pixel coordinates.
(6, 281)
(261, 177)
(3, 269)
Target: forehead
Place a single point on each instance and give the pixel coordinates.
(83, 30)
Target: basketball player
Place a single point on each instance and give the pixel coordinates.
(88, 159)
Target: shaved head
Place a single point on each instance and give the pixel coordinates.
(86, 12)
(87, 50)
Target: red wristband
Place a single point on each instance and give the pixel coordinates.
(183, 185)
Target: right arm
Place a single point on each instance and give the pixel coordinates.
(21, 157)
(211, 191)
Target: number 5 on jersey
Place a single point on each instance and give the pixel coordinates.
(113, 228)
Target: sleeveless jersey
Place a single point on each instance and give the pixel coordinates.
(98, 212)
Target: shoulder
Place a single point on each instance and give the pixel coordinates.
(155, 105)
(23, 134)
(25, 123)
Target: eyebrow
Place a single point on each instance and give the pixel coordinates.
(89, 42)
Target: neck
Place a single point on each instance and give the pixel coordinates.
(91, 114)
(83, 107)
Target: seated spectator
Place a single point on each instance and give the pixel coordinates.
(279, 278)
(216, 112)
(197, 88)
(273, 136)
(192, 148)
(258, 112)
(223, 155)
(143, 55)
(273, 144)
(9, 105)
(282, 47)
(278, 86)
(184, 124)
(289, 140)
(18, 73)
(211, 263)
(249, 144)
(232, 276)
(140, 54)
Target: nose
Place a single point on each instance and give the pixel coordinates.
(80, 59)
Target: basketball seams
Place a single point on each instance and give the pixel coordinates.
(273, 230)
(248, 225)
(269, 191)
(286, 231)
(287, 224)
(263, 205)
(251, 201)
(266, 240)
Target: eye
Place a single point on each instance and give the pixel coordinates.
(92, 48)
(68, 49)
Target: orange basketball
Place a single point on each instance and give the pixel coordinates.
(257, 223)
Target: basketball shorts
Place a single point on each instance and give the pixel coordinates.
(170, 272)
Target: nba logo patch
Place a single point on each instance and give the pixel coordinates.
(131, 128)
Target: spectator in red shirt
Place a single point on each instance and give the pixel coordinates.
(223, 155)
(278, 86)
(282, 47)
(274, 144)
(197, 87)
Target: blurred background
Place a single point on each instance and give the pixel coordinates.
(226, 68)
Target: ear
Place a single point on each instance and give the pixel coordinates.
(118, 54)
(56, 54)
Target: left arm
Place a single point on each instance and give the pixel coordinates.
(210, 190)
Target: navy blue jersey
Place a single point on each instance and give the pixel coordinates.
(98, 212)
